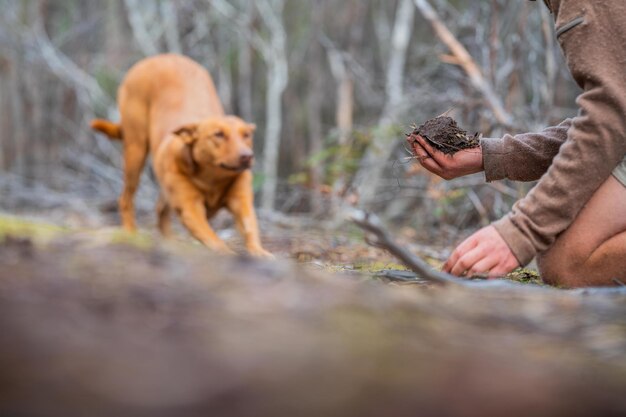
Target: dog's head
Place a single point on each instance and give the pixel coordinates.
(220, 142)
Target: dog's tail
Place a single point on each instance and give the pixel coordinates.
(112, 130)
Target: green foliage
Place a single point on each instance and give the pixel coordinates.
(19, 227)
(525, 276)
(338, 160)
(42, 232)
(138, 239)
(257, 182)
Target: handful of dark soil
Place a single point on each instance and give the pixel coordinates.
(444, 134)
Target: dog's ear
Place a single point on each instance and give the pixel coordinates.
(188, 133)
(186, 161)
(252, 127)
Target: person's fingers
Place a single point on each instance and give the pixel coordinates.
(503, 268)
(467, 245)
(416, 144)
(484, 251)
(484, 266)
(425, 145)
(497, 272)
(425, 159)
(437, 155)
(467, 261)
(454, 257)
(420, 152)
(432, 166)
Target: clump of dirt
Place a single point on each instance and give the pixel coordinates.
(444, 134)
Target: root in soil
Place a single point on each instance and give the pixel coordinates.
(444, 134)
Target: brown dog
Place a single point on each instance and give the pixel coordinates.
(202, 158)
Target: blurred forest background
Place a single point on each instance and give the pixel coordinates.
(332, 84)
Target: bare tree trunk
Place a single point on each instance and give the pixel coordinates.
(344, 118)
(345, 108)
(377, 155)
(274, 52)
(403, 27)
(344, 114)
(34, 94)
(547, 88)
(5, 116)
(224, 70)
(245, 68)
(35, 157)
(278, 77)
(494, 39)
(315, 103)
(17, 113)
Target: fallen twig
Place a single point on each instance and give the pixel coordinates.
(372, 225)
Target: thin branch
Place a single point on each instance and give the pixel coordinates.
(480, 208)
(67, 70)
(465, 61)
(372, 225)
(169, 15)
(242, 26)
(138, 25)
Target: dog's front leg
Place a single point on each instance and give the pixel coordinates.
(248, 227)
(241, 204)
(192, 213)
(163, 217)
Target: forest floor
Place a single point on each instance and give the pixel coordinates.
(96, 322)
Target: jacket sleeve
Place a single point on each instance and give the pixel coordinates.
(592, 35)
(523, 157)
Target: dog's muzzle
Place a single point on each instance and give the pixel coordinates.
(245, 162)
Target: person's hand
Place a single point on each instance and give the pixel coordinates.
(464, 162)
(484, 253)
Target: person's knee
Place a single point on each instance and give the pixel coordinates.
(558, 269)
(547, 270)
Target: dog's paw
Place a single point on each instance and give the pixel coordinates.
(261, 254)
(221, 249)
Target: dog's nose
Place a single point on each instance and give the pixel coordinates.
(246, 159)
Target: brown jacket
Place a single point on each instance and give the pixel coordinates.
(576, 157)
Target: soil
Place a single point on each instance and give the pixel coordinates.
(444, 134)
(103, 329)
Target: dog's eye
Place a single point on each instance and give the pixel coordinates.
(220, 135)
